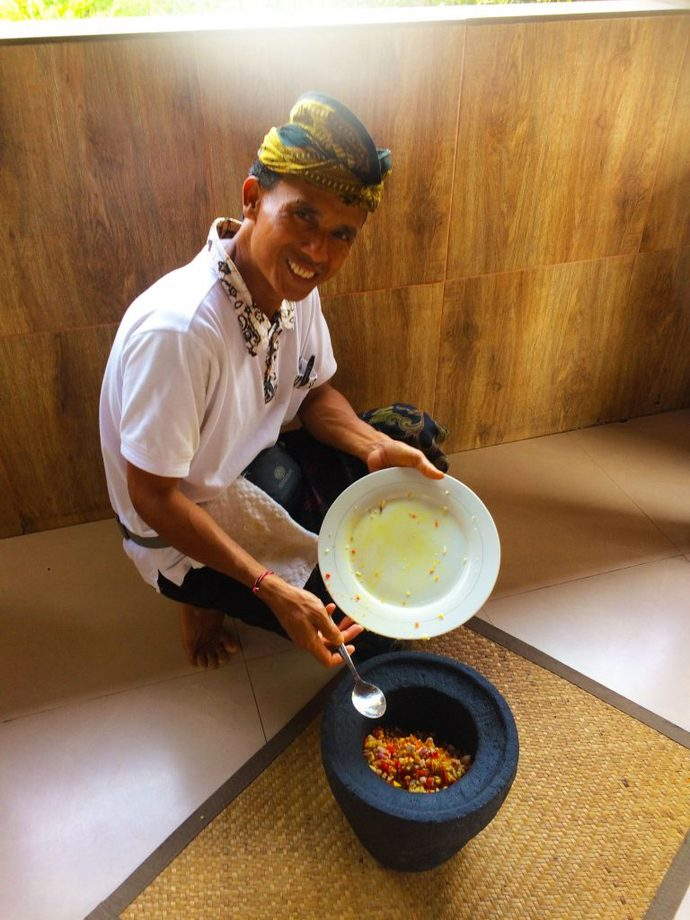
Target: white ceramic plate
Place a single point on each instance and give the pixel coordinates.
(407, 556)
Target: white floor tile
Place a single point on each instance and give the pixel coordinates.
(559, 516)
(77, 621)
(89, 790)
(649, 458)
(683, 912)
(283, 684)
(257, 643)
(629, 630)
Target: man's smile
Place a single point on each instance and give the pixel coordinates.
(301, 270)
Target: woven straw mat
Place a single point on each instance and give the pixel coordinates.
(598, 810)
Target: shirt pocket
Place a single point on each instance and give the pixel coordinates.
(306, 375)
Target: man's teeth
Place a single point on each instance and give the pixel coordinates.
(298, 270)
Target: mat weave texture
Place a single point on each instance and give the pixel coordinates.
(599, 808)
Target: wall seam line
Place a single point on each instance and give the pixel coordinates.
(434, 407)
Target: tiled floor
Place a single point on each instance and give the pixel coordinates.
(111, 740)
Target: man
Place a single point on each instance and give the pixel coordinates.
(208, 365)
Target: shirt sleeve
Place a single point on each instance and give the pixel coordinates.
(319, 344)
(164, 376)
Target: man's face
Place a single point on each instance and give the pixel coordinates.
(301, 234)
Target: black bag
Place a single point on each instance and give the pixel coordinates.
(278, 475)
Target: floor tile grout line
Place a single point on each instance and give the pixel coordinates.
(569, 581)
(579, 441)
(76, 703)
(590, 685)
(578, 433)
(154, 864)
(251, 687)
(82, 701)
(567, 431)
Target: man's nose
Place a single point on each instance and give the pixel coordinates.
(316, 247)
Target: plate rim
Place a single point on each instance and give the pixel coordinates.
(484, 582)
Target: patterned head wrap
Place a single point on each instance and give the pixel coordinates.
(324, 143)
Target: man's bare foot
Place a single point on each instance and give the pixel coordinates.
(207, 644)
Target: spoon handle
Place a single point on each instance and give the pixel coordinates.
(345, 655)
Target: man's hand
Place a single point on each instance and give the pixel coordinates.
(395, 453)
(330, 418)
(308, 622)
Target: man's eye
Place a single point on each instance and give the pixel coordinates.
(304, 215)
(343, 235)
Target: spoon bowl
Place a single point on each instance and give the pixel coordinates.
(366, 698)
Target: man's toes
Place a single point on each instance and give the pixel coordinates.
(229, 644)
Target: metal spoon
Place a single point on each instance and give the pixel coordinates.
(366, 698)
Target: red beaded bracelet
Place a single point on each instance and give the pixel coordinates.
(257, 583)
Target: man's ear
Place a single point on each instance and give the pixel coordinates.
(251, 196)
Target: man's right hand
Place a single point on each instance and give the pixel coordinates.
(307, 621)
(191, 529)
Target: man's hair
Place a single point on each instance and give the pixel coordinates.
(267, 178)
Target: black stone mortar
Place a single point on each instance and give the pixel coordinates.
(429, 695)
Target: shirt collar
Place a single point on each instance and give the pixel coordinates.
(256, 327)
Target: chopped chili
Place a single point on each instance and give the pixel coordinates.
(405, 761)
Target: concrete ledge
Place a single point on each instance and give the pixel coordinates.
(261, 20)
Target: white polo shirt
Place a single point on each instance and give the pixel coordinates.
(198, 382)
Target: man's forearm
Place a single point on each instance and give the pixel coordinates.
(330, 418)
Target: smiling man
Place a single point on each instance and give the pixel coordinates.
(213, 360)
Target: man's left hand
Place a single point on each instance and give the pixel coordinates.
(396, 453)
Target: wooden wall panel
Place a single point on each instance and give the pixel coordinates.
(528, 353)
(499, 285)
(668, 221)
(560, 131)
(10, 519)
(652, 351)
(105, 188)
(386, 344)
(49, 389)
(402, 83)
(34, 197)
(128, 149)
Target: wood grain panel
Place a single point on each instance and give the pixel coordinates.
(105, 188)
(668, 221)
(115, 155)
(402, 83)
(10, 519)
(34, 197)
(528, 353)
(386, 345)
(561, 127)
(652, 350)
(49, 444)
